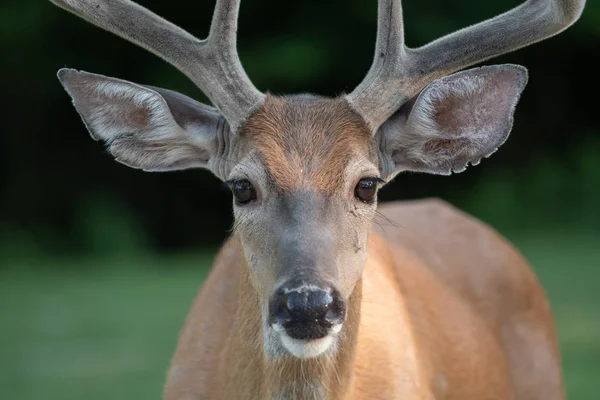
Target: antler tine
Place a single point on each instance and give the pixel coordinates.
(237, 93)
(387, 68)
(212, 64)
(398, 73)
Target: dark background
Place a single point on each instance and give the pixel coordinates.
(61, 192)
(71, 217)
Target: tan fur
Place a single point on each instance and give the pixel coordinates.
(300, 142)
(446, 309)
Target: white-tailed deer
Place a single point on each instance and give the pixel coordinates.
(307, 300)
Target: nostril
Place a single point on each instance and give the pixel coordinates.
(332, 315)
(281, 313)
(336, 310)
(280, 309)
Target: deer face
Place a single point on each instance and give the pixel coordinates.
(305, 194)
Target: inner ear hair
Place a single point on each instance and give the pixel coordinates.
(456, 120)
(144, 127)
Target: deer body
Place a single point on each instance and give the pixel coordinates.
(448, 331)
(307, 300)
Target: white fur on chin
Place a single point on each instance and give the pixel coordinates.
(307, 348)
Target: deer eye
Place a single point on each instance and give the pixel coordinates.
(243, 191)
(366, 189)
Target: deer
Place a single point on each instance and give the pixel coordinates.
(310, 298)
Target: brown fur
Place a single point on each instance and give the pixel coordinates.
(446, 309)
(286, 130)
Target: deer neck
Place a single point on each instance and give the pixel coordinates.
(250, 373)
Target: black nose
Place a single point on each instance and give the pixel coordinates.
(306, 311)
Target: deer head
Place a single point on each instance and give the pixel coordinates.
(305, 170)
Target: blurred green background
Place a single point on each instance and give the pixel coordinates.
(99, 263)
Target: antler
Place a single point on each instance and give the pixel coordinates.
(212, 64)
(398, 73)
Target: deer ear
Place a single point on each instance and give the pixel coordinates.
(455, 121)
(145, 127)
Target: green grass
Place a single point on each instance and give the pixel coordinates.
(107, 329)
(91, 332)
(569, 268)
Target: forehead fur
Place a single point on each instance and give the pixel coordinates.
(306, 141)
